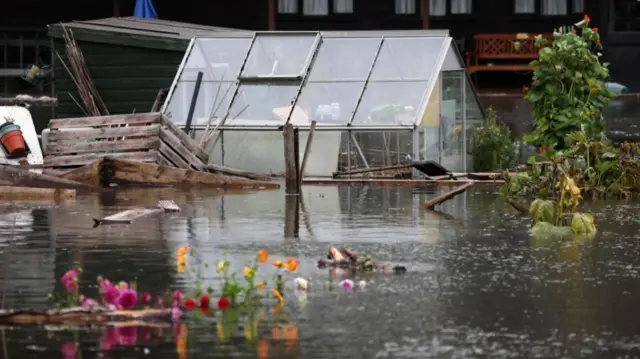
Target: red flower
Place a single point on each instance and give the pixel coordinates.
(146, 298)
(543, 148)
(204, 301)
(206, 311)
(587, 19)
(223, 303)
(189, 304)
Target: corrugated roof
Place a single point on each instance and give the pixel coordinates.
(146, 27)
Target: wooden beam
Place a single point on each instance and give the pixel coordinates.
(186, 141)
(105, 132)
(13, 193)
(103, 146)
(447, 196)
(95, 121)
(81, 160)
(23, 177)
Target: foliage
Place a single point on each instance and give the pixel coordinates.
(568, 90)
(549, 217)
(598, 168)
(492, 145)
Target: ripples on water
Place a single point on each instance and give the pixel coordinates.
(477, 286)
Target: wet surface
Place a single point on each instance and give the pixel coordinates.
(477, 285)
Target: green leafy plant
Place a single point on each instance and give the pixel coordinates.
(492, 145)
(568, 90)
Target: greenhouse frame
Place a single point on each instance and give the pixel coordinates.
(379, 98)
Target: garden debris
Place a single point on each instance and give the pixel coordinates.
(129, 215)
(77, 316)
(347, 259)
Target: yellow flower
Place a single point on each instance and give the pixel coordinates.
(276, 293)
(263, 256)
(292, 264)
(260, 286)
(183, 250)
(222, 265)
(248, 272)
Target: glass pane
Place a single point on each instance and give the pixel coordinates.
(330, 103)
(278, 55)
(451, 60)
(220, 59)
(452, 127)
(407, 58)
(391, 103)
(213, 100)
(264, 104)
(344, 59)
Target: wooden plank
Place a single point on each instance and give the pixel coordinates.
(23, 177)
(105, 132)
(172, 141)
(172, 156)
(128, 216)
(168, 206)
(236, 172)
(81, 160)
(120, 170)
(104, 146)
(129, 119)
(163, 161)
(447, 196)
(87, 174)
(13, 193)
(187, 141)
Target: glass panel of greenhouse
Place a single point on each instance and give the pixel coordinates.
(378, 99)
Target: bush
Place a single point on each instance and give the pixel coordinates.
(492, 145)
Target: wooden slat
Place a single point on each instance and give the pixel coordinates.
(163, 161)
(172, 156)
(172, 141)
(104, 146)
(129, 119)
(81, 160)
(127, 216)
(187, 141)
(105, 132)
(168, 206)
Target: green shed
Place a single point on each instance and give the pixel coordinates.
(129, 59)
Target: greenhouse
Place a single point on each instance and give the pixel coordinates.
(378, 98)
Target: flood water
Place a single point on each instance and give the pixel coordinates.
(477, 285)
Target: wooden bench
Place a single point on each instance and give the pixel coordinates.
(500, 47)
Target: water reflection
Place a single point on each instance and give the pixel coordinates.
(477, 286)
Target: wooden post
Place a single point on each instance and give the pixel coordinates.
(296, 155)
(307, 150)
(292, 217)
(290, 168)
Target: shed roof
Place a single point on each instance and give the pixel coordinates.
(132, 31)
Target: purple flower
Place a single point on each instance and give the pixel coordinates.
(70, 280)
(127, 299)
(112, 294)
(176, 313)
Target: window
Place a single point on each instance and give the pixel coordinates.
(437, 7)
(315, 7)
(461, 6)
(577, 6)
(405, 7)
(553, 7)
(343, 6)
(524, 6)
(287, 6)
(626, 16)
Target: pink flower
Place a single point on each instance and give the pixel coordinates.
(112, 294)
(110, 339)
(127, 299)
(90, 303)
(104, 285)
(146, 298)
(69, 350)
(346, 284)
(128, 335)
(160, 301)
(177, 297)
(176, 313)
(70, 280)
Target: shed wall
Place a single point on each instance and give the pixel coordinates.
(128, 78)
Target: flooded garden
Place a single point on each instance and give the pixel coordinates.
(476, 284)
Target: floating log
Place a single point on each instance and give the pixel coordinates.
(236, 172)
(130, 215)
(23, 177)
(80, 316)
(108, 170)
(447, 196)
(14, 193)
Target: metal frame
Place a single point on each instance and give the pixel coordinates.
(366, 80)
(433, 80)
(176, 79)
(306, 128)
(463, 79)
(305, 74)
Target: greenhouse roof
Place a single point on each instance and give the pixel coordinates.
(336, 78)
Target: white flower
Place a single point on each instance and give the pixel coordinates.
(362, 284)
(301, 283)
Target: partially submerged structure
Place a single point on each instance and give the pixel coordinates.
(378, 98)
